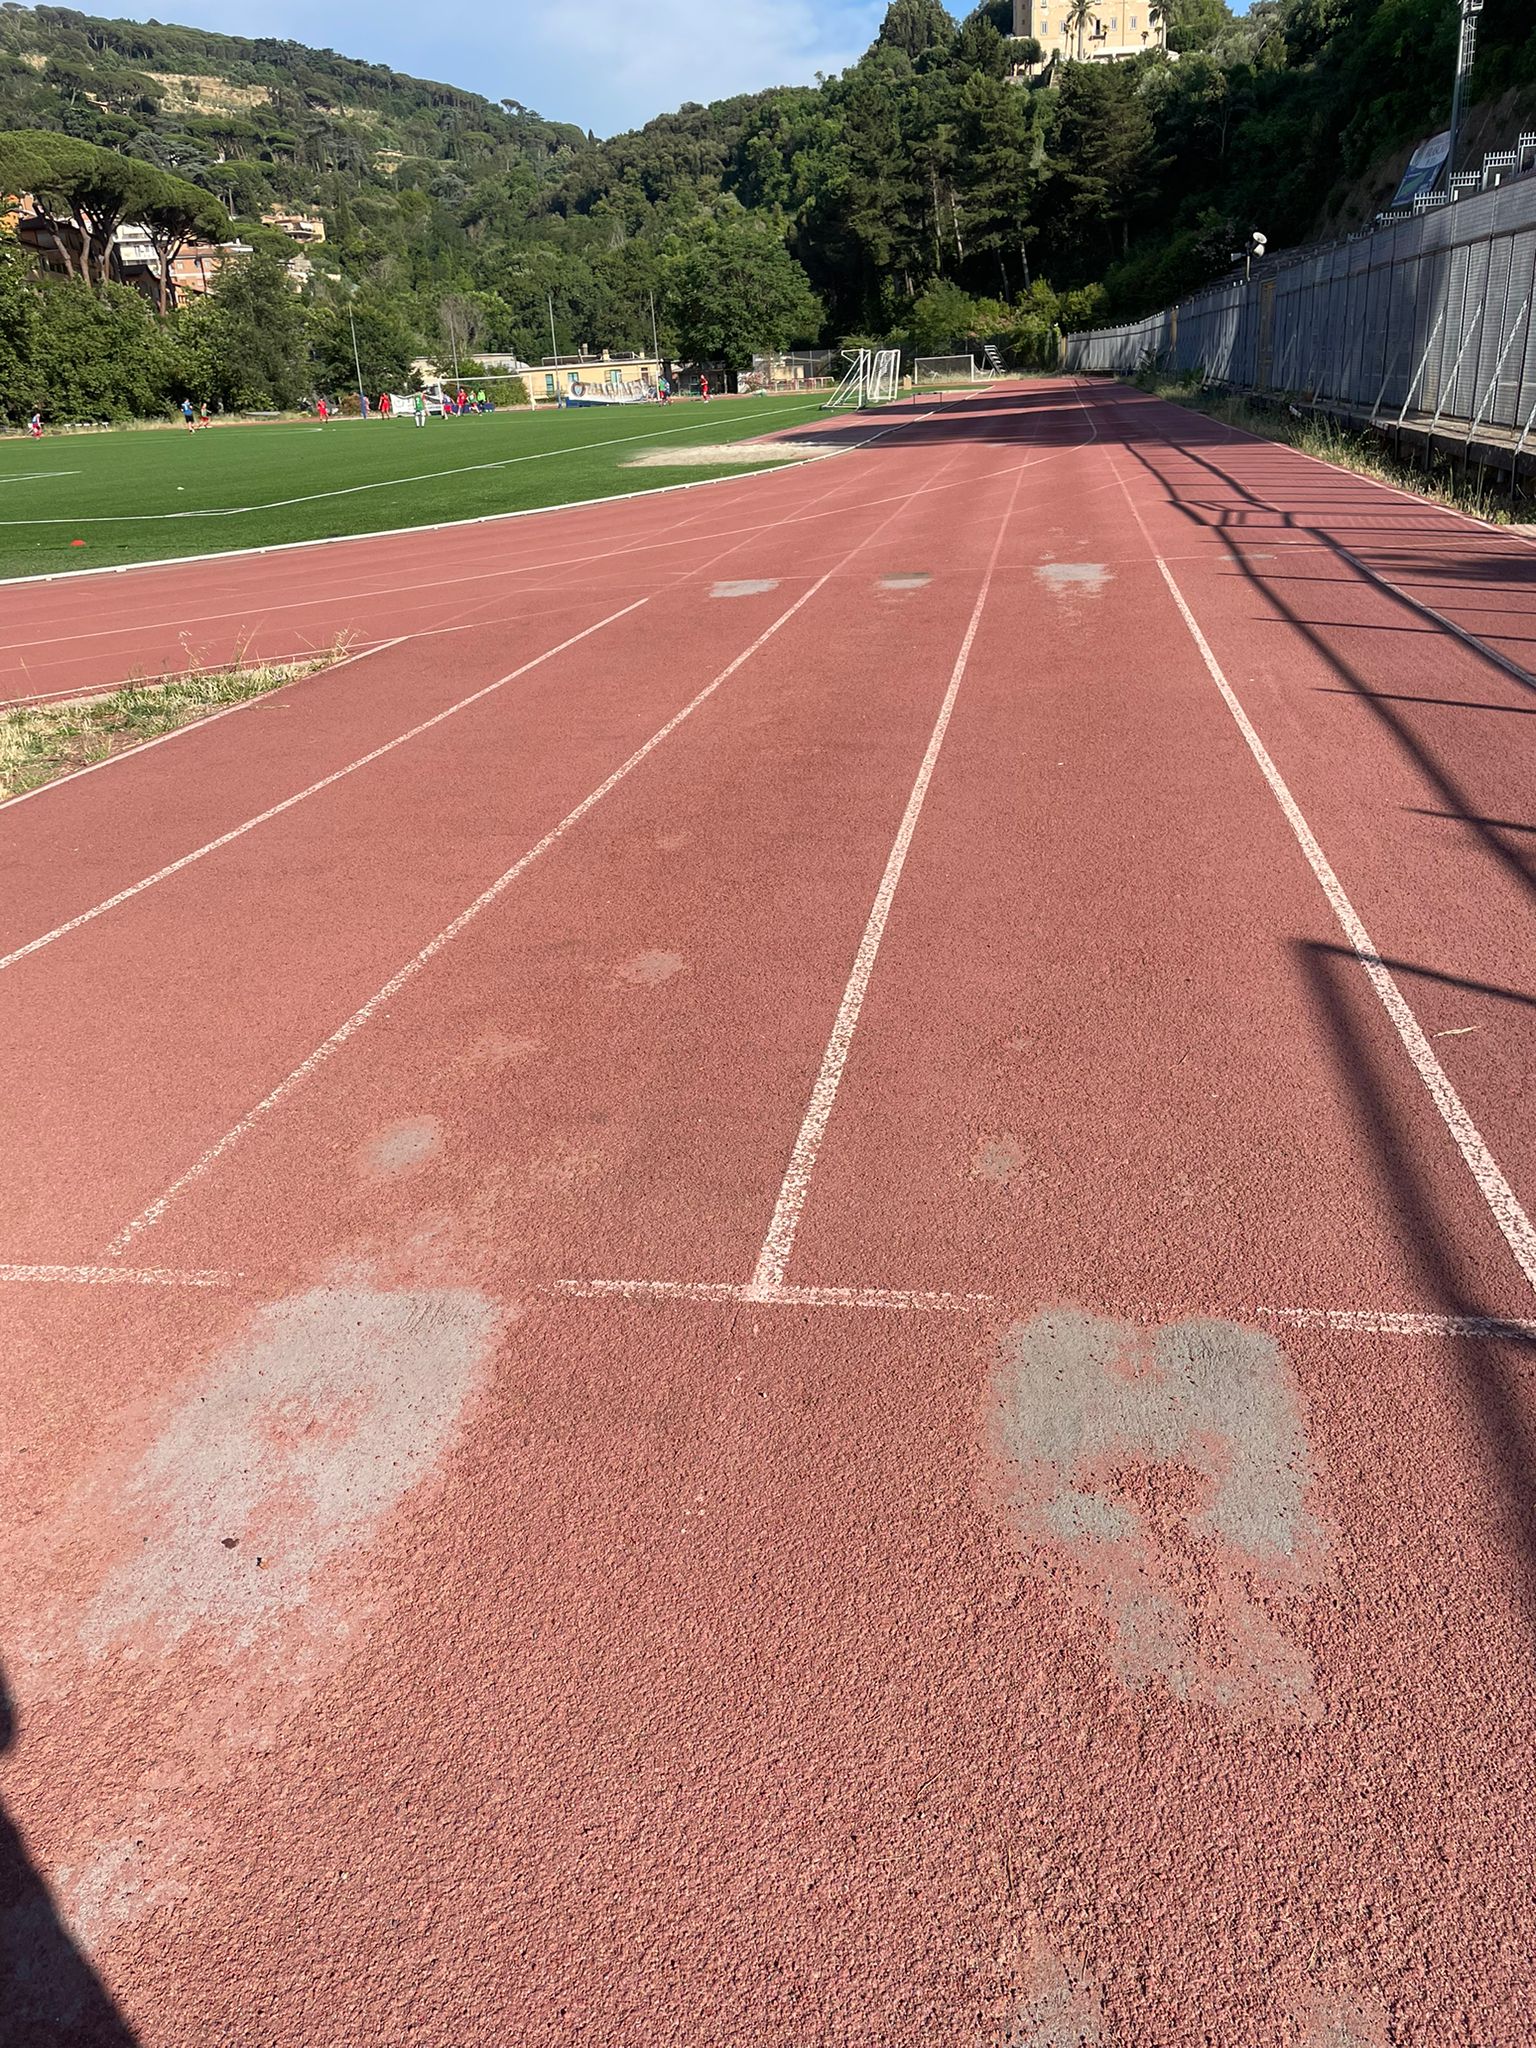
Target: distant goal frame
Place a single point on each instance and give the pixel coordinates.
(929, 371)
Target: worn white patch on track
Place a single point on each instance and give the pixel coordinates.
(747, 453)
(402, 1147)
(744, 586)
(650, 970)
(288, 1451)
(1060, 2008)
(1067, 576)
(1166, 1476)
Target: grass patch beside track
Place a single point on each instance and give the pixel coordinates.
(40, 742)
(131, 496)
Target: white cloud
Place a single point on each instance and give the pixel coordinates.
(573, 62)
(610, 82)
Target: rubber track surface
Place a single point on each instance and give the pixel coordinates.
(770, 1291)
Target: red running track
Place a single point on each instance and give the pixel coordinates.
(783, 1294)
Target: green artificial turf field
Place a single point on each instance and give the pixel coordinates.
(136, 496)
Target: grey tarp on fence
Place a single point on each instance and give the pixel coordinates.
(1436, 315)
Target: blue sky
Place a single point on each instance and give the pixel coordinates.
(561, 56)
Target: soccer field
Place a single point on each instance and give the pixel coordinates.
(74, 501)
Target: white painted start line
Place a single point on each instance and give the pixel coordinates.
(890, 1300)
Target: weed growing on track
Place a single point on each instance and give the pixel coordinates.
(40, 742)
(1359, 452)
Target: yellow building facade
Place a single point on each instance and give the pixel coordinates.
(1101, 33)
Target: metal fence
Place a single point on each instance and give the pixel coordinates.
(1431, 317)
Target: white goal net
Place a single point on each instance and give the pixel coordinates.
(949, 370)
(871, 378)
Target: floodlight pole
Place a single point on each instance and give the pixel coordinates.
(554, 346)
(1466, 51)
(356, 359)
(655, 344)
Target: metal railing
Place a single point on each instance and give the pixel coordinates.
(1432, 316)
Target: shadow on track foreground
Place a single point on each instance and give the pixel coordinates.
(50, 1997)
(1496, 1383)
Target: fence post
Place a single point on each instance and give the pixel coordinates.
(1477, 418)
(1382, 390)
(1530, 419)
(1423, 360)
(1456, 366)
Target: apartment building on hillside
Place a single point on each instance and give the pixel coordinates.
(1100, 33)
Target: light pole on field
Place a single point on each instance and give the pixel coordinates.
(356, 361)
(1466, 51)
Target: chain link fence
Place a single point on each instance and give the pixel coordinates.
(1432, 319)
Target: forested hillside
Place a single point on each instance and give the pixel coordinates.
(928, 195)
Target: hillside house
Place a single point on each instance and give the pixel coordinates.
(1103, 33)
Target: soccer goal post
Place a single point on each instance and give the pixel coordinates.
(948, 370)
(871, 378)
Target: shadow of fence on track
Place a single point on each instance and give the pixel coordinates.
(1462, 806)
(1490, 1371)
(1448, 569)
(50, 1997)
(972, 416)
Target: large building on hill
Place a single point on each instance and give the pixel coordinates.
(1098, 34)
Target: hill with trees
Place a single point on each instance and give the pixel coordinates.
(928, 195)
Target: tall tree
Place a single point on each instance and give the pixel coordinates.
(84, 194)
(732, 288)
(915, 27)
(176, 213)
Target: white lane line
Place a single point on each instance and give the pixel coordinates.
(773, 1259)
(198, 853)
(781, 1296)
(905, 1300)
(1401, 1322)
(147, 1218)
(108, 1276)
(1485, 1170)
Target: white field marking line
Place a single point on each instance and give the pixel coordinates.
(276, 810)
(148, 1217)
(387, 483)
(337, 540)
(34, 476)
(378, 585)
(672, 536)
(332, 540)
(675, 535)
(773, 1259)
(903, 1300)
(193, 725)
(1484, 1168)
(106, 1276)
(429, 632)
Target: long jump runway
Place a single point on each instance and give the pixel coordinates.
(782, 1292)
